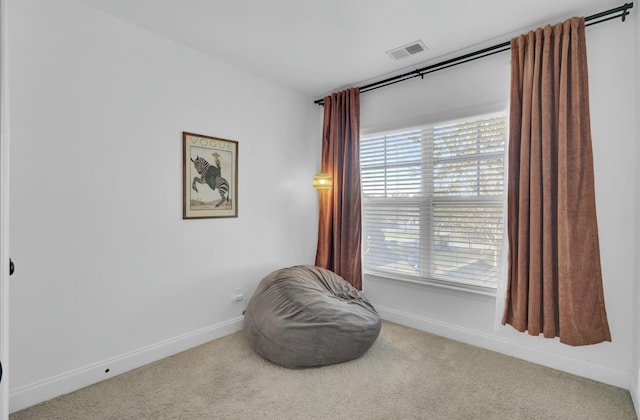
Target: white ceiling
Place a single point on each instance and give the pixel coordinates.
(320, 46)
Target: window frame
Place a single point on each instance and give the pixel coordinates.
(426, 205)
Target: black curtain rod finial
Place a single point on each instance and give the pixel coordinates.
(625, 12)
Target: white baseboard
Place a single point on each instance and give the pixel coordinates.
(64, 383)
(633, 390)
(501, 345)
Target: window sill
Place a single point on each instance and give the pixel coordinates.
(458, 287)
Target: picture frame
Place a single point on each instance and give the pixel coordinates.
(210, 177)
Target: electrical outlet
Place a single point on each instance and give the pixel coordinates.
(238, 297)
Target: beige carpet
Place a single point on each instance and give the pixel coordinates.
(407, 374)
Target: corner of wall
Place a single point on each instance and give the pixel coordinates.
(635, 383)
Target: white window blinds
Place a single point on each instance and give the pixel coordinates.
(432, 201)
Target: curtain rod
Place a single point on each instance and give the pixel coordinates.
(618, 12)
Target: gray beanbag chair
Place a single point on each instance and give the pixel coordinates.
(306, 316)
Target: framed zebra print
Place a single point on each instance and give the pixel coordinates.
(210, 177)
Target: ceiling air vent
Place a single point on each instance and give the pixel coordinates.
(407, 50)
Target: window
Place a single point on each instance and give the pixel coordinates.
(432, 201)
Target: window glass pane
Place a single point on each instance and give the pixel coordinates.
(467, 241)
(391, 166)
(468, 177)
(391, 238)
(391, 181)
(466, 138)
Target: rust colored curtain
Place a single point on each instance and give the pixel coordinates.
(554, 275)
(339, 226)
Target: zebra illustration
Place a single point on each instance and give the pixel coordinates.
(210, 175)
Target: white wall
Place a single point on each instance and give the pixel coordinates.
(4, 219)
(108, 275)
(480, 87)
